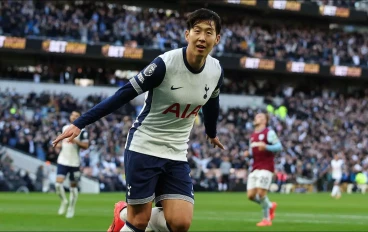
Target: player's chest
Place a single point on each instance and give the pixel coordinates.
(261, 137)
(187, 89)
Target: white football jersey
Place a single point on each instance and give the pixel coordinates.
(336, 166)
(175, 94)
(69, 154)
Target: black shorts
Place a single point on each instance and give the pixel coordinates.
(74, 172)
(225, 178)
(151, 178)
(336, 181)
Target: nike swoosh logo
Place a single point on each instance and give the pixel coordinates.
(172, 88)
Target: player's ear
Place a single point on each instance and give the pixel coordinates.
(187, 35)
(217, 41)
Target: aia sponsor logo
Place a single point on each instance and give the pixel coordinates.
(179, 112)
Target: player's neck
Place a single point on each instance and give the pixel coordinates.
(259, 128)
(196, 62)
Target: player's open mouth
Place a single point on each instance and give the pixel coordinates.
(200, 47)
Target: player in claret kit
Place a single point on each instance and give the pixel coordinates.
(263, 145)
(177, 85)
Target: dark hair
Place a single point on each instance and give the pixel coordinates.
(201, 15)
(77, 111)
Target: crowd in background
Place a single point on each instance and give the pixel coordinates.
(59, 73)
(164, 29)
(318, 125)
(13, 179)
(339, 3)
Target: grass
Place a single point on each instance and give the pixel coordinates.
(213, 212)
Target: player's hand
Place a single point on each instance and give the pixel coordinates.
(69, 133)
(216, 142)
(262, 146)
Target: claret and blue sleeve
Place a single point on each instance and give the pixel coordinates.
(275, 145)
(145, 80)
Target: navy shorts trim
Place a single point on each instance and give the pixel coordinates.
(74, 172)
(151, 178)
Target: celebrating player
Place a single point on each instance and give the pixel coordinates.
(262, 146)
(177, 85)
(69, 162)
(337, 166)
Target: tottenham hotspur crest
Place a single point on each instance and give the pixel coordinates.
(129, 187)
(205, 89)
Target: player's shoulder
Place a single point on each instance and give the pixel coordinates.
(213, 63)
(84, 132)
(270, 131)
(65, 127)
(271, 135)
(171, 55)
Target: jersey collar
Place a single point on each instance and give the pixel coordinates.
(260, 131)
(187, 64)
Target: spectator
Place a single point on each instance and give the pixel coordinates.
(121, 25)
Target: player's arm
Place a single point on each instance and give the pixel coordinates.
(58, 145)
(145, 80)
(151, 77)
(211, 111)
(249, 152)
(84, 140)
(275, 145)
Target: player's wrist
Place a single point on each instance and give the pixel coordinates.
(76, 124)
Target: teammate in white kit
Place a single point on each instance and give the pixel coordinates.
(68, 162)
(177, 84)
(336, 166)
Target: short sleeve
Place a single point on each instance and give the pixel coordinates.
(272, 137)
(216, 92)
(84, 137)
(150, 77)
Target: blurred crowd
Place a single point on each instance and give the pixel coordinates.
(164, 29)
(59, 73)
(13, 179)
(318, 125)
(339, 3)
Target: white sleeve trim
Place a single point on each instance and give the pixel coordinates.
(136, 86)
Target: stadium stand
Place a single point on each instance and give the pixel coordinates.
(315, 128)
(317, 123)
(113, 23)
(341, 3)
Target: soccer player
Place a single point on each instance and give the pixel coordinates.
(337, 166)
(177, 85)
(262, 146)
(68, 162)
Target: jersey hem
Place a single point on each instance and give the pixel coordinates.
(69, 165)
(162, 155)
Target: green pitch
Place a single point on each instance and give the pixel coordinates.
(213, 212)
